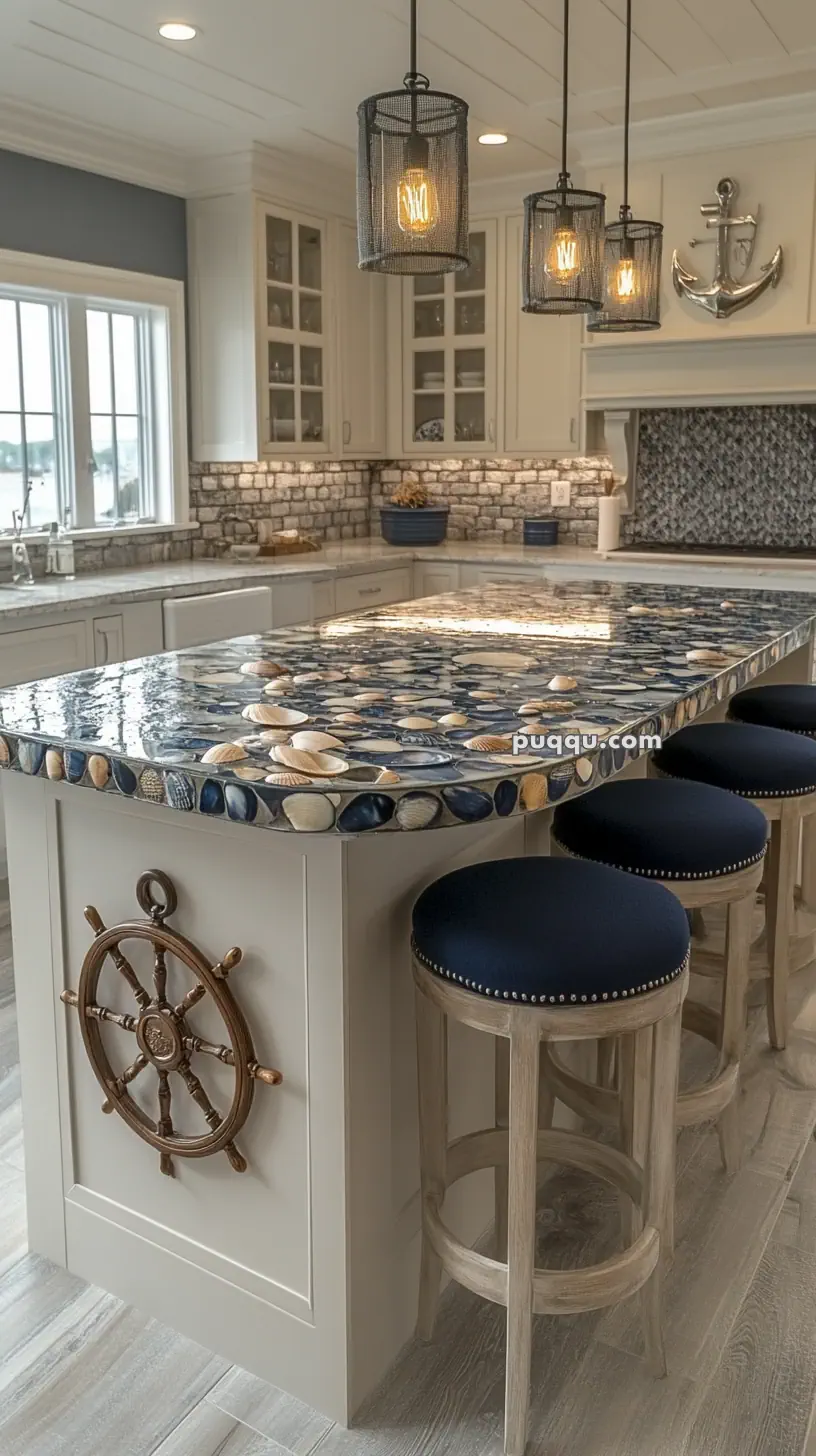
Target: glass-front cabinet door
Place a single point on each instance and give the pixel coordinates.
(450, 355)
(293, 369)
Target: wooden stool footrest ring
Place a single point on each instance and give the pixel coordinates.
(568, 1291)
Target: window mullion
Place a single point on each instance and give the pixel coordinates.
(117, 501)
(23, 430)
(79, 395)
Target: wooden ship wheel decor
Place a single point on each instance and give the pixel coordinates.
(164, 1037)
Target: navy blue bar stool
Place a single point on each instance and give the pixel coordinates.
(777, 770)
(707, 847)
(535, 951)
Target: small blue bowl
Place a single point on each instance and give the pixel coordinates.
(540, 531)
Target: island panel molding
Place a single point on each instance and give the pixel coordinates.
(166, 1041)
(389, 720)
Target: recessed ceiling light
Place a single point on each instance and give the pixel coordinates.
(493, 139)
(177, 30)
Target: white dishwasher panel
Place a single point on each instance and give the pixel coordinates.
(192, 621)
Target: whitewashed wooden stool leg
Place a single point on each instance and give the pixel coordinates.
(502, 1119)
(660, 1177)
(432, 1073)
(606, 1061)
(733, 1022)
(809, 863)
(524, 1078)
(634, 1081)
(779, 909)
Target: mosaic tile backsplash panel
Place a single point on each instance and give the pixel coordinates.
(742, 476)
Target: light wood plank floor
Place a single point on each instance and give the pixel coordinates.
(81, 1374)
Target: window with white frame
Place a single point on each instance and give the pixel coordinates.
(87, 421)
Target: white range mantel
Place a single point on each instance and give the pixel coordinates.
(675, 373)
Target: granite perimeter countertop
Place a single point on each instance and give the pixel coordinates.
(94, 590)
(418, 705)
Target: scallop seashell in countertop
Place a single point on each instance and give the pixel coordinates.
(274, 715)
(416, 723)
(249, 772)
(287, 778)
(314, 741)
(387, 776)
(262, 668)
(494, 659)
(489, 743)
(151, 785)
(279, 687)
(406, 697)
(418, 811)
(374, 745)
(534, 791)
(308, 677)
(371, 695)
(310, 813)
(224, 753)
(272, 735)
(321, 765)
(707, 655)
(99, 770)
(452, 720)
(561, 683)
(348, 718)
(482, 694)
(5, 752)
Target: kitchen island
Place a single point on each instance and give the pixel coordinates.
(286, 1238)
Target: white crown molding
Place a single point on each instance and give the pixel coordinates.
(300, 182)
(37, 132)
(780, 118)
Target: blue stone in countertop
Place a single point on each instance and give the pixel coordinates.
(123, 777)
(469, 805)
(211, 798)
(31, 757)
(180, 791)
(75, 762)
(505, 797)
(242, 803)
(366, 811)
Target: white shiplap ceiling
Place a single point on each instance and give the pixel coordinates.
(289, 73)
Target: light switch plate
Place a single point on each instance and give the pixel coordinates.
(560, 493)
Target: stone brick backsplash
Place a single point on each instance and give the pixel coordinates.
(329, 499)
(111, 552)
(340, 500)
(489, 499)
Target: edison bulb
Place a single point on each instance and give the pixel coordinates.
(417, 202)
(624, 283)
(564, 255)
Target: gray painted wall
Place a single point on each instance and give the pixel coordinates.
(63, 212)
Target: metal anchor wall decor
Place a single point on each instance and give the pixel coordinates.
(727, 294)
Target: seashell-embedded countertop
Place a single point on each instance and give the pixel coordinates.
(406, 717)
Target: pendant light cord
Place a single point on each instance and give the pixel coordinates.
(414, 79)
(627, 107)
(564, 97)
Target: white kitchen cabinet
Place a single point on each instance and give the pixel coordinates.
(323, 605)
(262, 308)
(30, 653)
(449, 354)
(430, 579)
(361, 352)
(108, 640)
(291, 602)
(373, 589)
(542, 369)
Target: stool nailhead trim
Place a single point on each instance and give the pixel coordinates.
(745, 793)
(562, 1000)
(742, 864)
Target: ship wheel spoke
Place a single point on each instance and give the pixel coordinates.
(164, 1126)
(200, 1097)
(190, 1000)
(121, 961)
(226, 1055)
(160, 973)
(102, 1013)
(129, 1075)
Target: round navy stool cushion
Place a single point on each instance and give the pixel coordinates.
(550, 931)
(663, 828)
(757, 762)
(791, 706)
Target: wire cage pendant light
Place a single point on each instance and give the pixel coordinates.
(562, 254)
(633, 250)
(412, 177)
